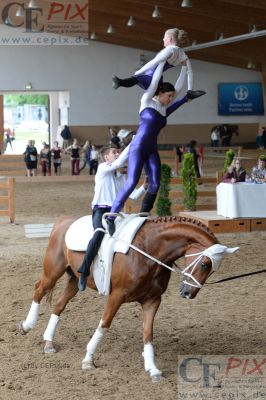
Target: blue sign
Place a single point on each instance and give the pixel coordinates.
(240, 99)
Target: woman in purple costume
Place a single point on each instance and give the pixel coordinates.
(156, 105)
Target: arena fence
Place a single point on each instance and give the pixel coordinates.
(7, 202)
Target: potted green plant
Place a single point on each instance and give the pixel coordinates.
(188, 176)
(163, 203)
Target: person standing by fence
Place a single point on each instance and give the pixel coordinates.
(45, 159)
(56, 152)
(74, 150)
(31, 159)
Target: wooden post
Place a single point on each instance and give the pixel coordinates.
(11, 199)
(1, 123)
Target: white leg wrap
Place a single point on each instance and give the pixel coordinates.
(149, 364)
(32, 317)
(51, 327)
(93, 344)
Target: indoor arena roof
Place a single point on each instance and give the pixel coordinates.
(206, 21)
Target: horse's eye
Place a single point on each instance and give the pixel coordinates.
(203, 266)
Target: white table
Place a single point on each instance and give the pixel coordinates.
(241, 200)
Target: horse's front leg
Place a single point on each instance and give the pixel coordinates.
(42, 287)
(113, 303)
(70, 291)
(149, 309)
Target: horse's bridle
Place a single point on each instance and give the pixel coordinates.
(192, 265)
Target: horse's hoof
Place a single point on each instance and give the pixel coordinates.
(49, 348)
(21, 330)
(88, 365)
(155, 375)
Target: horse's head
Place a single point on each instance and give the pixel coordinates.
(199, 266)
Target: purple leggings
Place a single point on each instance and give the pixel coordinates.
(143, 152)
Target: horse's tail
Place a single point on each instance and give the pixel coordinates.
(49, 296)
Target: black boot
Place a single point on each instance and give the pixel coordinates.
(148, 202)
(84, 270)
(129, 82)
(110, 226)
(82, 282)
(91, 252)
(194, 94)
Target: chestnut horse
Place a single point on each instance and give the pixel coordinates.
(135, 277)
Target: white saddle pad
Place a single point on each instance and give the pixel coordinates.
(80, 232)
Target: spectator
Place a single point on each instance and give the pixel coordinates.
(115, 140)
(31, 158)
(8, 138)
(66, 135)
(263, 135)
(85, 155)
(179, 150)
(259, 139)
(235, 172)
(258, 173)
(215, 136)
(74, 151)
(93, 160)
(56, 152)
(45, 159)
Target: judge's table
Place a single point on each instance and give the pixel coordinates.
(241, 200)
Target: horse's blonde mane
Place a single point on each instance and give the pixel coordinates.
(185, 220)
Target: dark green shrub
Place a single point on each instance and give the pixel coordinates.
(163, 203)
(188, 176)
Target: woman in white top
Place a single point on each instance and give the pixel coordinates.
(108, 181)
(172, 55)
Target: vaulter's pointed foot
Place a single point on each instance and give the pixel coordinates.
(111, 226)
(194, 94)
(82, 282)
(116, 82)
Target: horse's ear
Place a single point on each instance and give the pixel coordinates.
(231, 250)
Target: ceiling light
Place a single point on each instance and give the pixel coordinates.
(20, 12)
(194, 43)
(253, 28)
(32, 4)
(251, 65)
(186, 3)
(156, 12)
(93, 36)
(131, 21)
(110, 29)
(221, 36)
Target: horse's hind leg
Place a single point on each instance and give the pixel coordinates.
(70, 291)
